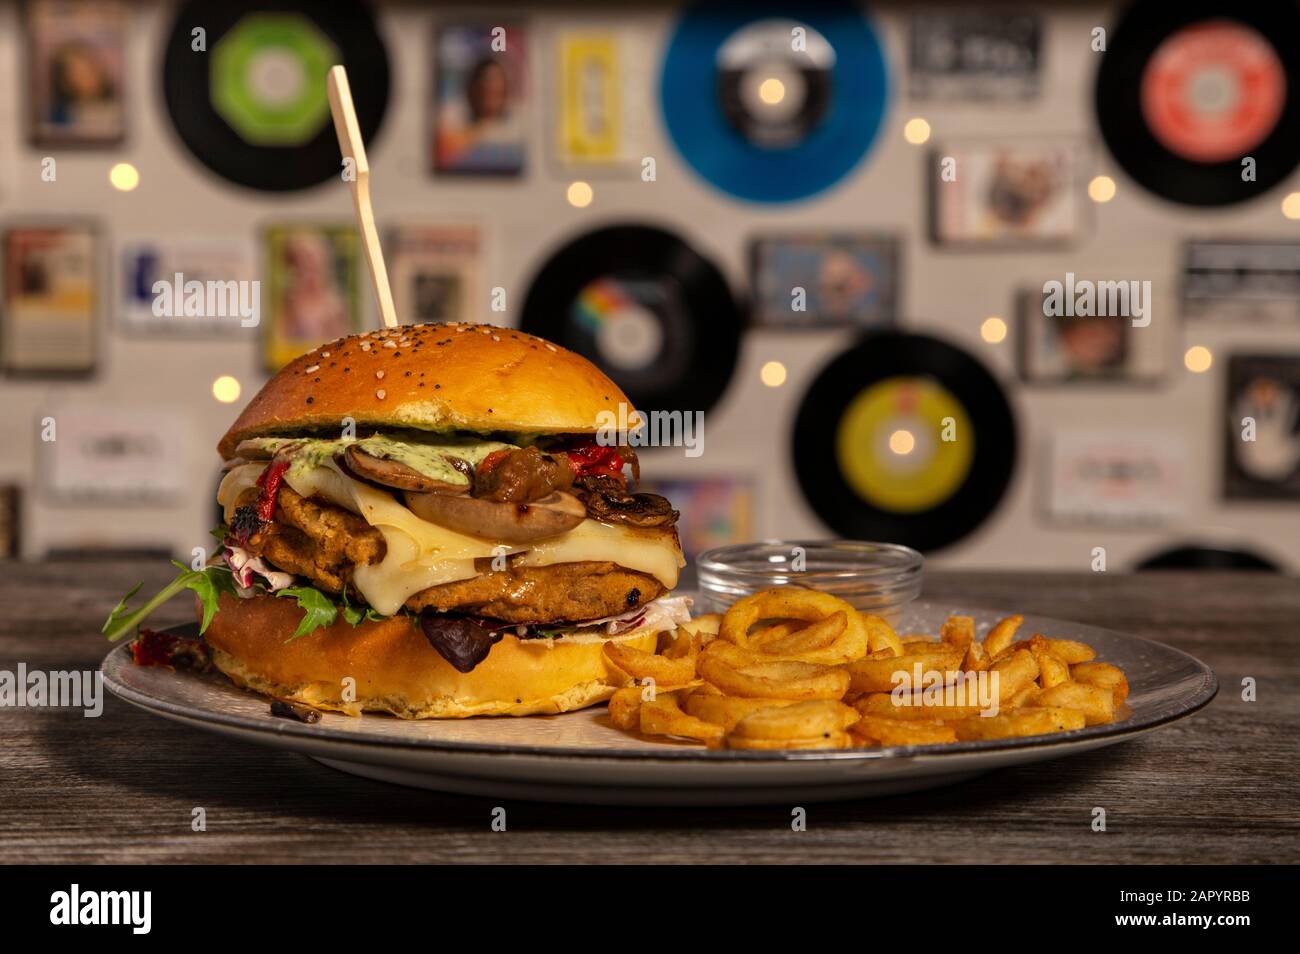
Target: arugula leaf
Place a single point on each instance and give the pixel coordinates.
(356, 614)
(318, 609)
(209, 583)
(220, 531)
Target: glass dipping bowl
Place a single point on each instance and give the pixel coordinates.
(879, 578)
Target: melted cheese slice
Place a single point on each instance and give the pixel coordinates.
(421, 554)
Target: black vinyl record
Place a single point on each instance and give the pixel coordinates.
(250, 102)
(1193, 556)
(645, 308)
(904, 439)
(1187, 91)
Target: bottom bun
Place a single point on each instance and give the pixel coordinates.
(396, 670)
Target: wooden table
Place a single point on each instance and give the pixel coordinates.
(1217, 787)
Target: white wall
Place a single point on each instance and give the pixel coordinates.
(947, 292)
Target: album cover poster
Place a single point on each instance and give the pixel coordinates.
(310, 289)
(1008, 193)
(434, 271)
(50, 309)
(75, 72)
(189, 287)
(1262, 427)
(715, 511)
(824, 280)
(1232, 280)
(480, 99)
(1120, 478)
(969, 55)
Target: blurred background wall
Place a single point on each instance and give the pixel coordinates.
(947, 290)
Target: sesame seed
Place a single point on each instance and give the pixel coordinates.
(551, 347)
(496, 337)
(310, 399)
(389, 344)
(379, 375)
(380, 394)
(324, 354)
(314, 367)
(365, 346)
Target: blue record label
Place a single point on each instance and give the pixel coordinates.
(773, 102)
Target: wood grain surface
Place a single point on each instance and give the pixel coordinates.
(1219, 786)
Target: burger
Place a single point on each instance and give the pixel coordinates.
(432, 521)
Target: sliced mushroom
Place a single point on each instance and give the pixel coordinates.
(393, 473)
(500, 522)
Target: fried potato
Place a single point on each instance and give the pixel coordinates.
(663, 716)
(1001, 635)
(958, 631)
(705, 626)
(1015, 672)
(1104, 676)
(903, 731)
(809, 636)
(882, 704)
(1051, 670)
(665, 670)
(880, 635)
(802, 720)
(977, 658)
(1070, 651)
(625, 708)
(724, 710)
(1095, 702)
(786, 603)
(783, 679)
(780, 629)
(836, 740)
(877, 675)
(1019, 723)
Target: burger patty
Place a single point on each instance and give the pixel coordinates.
(569, 592)
(324, 542)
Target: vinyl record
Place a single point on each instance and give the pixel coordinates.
(645, 308)
(252, 103)
(904, 439)
(1187, 91)
(772, 101)
(1194, 556)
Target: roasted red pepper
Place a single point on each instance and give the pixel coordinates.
(590, 459)
(270, 480)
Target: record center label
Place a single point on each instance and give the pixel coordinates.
(891, 449)
(1213, 91)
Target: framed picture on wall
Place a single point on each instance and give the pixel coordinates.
(824, 280)
(189, 286)
(1065, 350)
(75, 72)
(116, 454)
(962, 55)
(434, 271)
(715, 510)
(1261, 455)
(1115, 477)
(310, 289)
(10, 517)
(51, 295)
(480, 102)
(1008, 193)
(1237, 281)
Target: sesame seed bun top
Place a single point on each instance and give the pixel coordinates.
(433, 377)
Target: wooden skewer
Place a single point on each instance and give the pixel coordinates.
(350, 144)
